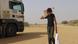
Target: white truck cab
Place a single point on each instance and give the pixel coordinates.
(11, 17)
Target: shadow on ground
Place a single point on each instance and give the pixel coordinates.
(22, 37)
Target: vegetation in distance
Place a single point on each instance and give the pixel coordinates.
(71, 22)
(26, 24)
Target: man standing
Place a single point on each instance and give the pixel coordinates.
(50, 25)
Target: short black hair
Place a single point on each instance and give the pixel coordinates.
(49, 10)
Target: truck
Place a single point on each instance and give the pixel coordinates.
(11, 17)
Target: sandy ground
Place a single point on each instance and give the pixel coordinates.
(37, 34)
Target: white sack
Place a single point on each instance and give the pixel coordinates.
(57, 41)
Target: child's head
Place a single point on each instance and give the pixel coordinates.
(49, 10)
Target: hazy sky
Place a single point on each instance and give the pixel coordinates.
(64, 9)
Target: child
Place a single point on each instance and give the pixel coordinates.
(50, 25)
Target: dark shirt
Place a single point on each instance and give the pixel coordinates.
(50, 19)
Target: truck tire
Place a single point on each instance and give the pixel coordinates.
(11, 30)
(2, 32)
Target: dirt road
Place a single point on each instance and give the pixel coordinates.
(37, 34)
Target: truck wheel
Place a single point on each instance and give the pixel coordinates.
(11, 30)
(2, 32)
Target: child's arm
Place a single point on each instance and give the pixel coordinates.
(55, 23)
(44, 17)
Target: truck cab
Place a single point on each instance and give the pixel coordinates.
(11, 17)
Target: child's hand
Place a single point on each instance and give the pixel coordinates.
(42, 17)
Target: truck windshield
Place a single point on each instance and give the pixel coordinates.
(18, 6)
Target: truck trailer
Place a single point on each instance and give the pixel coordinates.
(11, 17)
